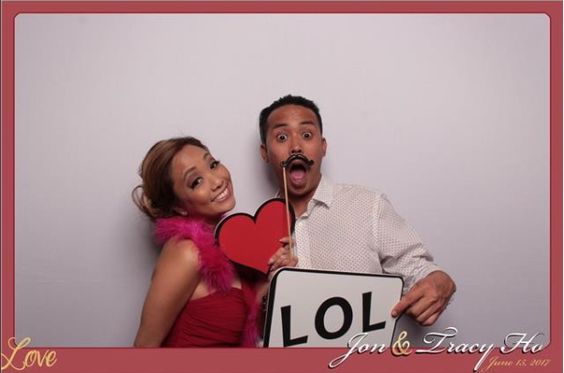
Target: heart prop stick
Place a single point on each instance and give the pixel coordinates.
(252, 240)
(284, 165)
(287, 205)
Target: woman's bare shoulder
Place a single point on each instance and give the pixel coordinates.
(179, 252)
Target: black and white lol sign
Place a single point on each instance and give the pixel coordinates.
(311, 308)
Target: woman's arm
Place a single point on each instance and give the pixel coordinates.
(174, 280)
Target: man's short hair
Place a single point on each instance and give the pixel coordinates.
(282, 101)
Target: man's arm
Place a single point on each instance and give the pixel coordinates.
(427, 299)
(427, 289)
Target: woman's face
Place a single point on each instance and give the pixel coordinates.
(201, 184)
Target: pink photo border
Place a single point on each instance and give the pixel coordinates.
(275, 359)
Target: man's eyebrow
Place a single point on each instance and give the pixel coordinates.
(308, 122)
(278, 125)
(305, 122)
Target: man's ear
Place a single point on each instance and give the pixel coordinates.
(264, 153)
(324, 146)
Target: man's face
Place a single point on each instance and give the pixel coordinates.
(294, 129)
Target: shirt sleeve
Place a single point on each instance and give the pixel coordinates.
(399, 247)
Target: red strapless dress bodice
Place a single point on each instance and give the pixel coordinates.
(226, 317)
(216, 320)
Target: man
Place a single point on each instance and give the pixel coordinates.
(345, 227)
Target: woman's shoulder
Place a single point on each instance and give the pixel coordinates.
(180, 252)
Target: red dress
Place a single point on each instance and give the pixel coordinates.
(216, 320)
(227, 316)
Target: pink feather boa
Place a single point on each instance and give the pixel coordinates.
(215, 268)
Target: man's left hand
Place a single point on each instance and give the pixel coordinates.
(427, 299)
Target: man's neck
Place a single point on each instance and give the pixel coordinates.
(299, 203)
(300, 206)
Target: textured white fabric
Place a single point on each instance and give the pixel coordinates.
(351, 228)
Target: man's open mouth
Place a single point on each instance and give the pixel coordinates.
(297, 166)
(298, 171)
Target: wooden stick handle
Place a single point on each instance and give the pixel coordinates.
(288, 221)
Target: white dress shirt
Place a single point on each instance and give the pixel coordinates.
(353, 229)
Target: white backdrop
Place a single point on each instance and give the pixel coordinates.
(447, 114)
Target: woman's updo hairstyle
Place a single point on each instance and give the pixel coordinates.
(155, 195)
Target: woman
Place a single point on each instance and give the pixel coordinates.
(196, 298)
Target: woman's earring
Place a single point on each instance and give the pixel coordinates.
(180, 211)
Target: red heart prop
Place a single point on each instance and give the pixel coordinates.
(252, 240)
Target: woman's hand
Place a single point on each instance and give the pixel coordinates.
(282, 257)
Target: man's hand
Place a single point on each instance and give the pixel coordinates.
(282, 257)
(427, 299)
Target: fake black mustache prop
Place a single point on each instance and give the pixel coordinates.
(295, 156)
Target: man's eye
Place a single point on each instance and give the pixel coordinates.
(307, 135)
(282, 137)
(197, 181)
(214, 164)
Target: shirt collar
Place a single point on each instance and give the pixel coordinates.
(324, 191)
